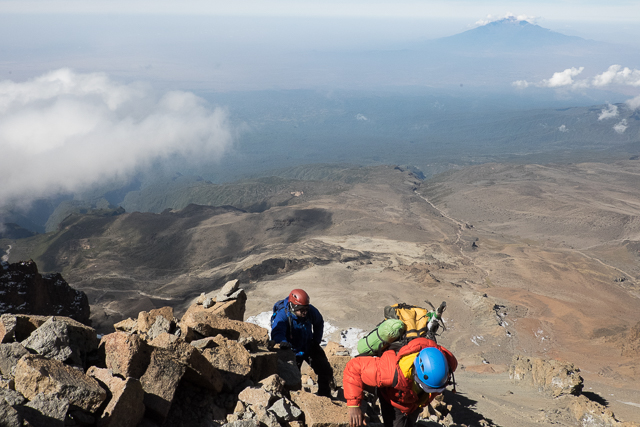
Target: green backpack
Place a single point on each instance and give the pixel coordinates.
(379, 339)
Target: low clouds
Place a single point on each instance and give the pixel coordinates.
(621, 127)
(64, 131)
(609, 112)
(615, 75)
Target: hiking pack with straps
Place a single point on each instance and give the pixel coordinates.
(415, 322)
(277, 307)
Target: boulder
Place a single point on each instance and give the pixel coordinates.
(227, 290)
(6, 382)
(288, 370)
(127, 325)
(160, 326)
(9, 417)
(199, 370)
(273, 384)
(10, 353)
(231, 359)
(12, 397)
(25, 291)
(338, 363)
(321, 411)
(63, 338)
(201, 323)
(264, 364)
(285, 410)
(160, 382)
(35, 375)
(127, 355)
(256, 396)
(147, 319)
(232, 307)
(590, 413)
(45, 411)
(18, 327)
(552, 376)
(126, 407)
(265, 417)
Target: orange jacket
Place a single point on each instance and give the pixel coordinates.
(384, 372)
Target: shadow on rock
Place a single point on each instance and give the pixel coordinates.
(595, 397)
(462, 410)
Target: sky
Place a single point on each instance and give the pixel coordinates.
(104, 87)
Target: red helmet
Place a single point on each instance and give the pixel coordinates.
(298, 297)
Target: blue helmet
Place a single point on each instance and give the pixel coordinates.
(431, 370)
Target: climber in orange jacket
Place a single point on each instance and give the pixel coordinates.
(406, 381)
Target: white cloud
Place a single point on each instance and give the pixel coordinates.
(618, 75)
(562, 78)
(609, 112)
(621, 126)
(509, 16)
(361, 117)
(64, 131)
(633, 103)
(521, 84)
(563, 128)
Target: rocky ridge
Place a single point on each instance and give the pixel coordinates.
(208, 368)
(25, 291)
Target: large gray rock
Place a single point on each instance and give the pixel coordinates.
(285, 410)
(35, 375)
(51, 340)
(46, 411)
(64, 339)
(12, 397)
(9, 417)
(160, 326)
(10, 353)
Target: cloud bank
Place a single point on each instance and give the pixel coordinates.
(64, 131)
(615, 75)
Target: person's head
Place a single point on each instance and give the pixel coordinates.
(431, 370)
(299, 302)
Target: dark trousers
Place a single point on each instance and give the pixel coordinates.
(317, 359)
(393, 417)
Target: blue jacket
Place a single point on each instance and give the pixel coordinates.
(300, 332)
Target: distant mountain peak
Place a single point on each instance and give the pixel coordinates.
(508, 33)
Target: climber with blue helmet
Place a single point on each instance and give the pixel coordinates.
(406, 381)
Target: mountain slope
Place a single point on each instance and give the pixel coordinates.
(510, 34)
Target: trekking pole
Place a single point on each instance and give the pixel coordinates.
(435, 319)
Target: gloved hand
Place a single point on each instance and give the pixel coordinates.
(284, 345)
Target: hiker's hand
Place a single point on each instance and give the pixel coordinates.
(285, 345)
(356, 417)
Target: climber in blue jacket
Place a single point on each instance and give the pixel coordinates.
(298, 325)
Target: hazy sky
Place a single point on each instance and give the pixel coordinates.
(92, 89)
